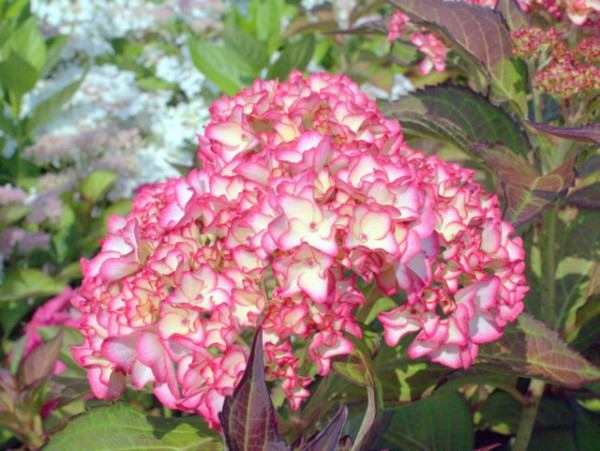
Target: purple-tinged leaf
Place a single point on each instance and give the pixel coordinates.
(476, 31)
(40, 363)
(527, 192)
(587, 197)
(532, 348)
(456, 115)
(513, 14)
(587, 133)
(328, 438)
(248, 417)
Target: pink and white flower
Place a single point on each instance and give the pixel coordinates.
(306, 193)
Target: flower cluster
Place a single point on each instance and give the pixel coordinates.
(307, 194)
(579, 12)
(561, 71)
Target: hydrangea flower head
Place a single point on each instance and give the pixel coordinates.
(306, 194)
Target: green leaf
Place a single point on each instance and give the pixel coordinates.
(295, 55)
(527, 192)
(54, 48)
(40, 363)
(246, 46)
(457, 115)
(221, 65)
(154, 84)
(480, 374)
(531, 348)
(587, 428)
(479, 32)
(10, 214)
(267, 21)
(98, 184)
(500, 412)
(587, 324)
(248, 417)
(12, 314)
(65, 240)
(47, 109)
(17, 75)
(436, 423)
(28, 42)
(25, 283)
(356, 367)
(587, 133)
(122, 427)
(405, 379)
(513, 14)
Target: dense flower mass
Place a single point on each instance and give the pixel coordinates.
(306, 195)
(561, 71)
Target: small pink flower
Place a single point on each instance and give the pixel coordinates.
(434, 50)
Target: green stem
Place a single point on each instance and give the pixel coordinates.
(548, 263)
(529, 415)
(548, 300)
(368, 420)
(372, 297)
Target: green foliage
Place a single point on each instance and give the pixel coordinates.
(25, 283)
(532, 348)
(120, 426)
(458, 116)
(249, 45)
(436, 423)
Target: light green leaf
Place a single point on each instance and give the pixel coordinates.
(295, 55)
(17, 75)
(222, 66)
(436, 423)
(10, 214)
(54, 48)
(65, 239)
(246, 46)
(28, 42)
(122, 427)
(578, 270)
(98, 184)
(266, 15)
(25, 283)
(47, 109)
(532, 349)
(357, 366)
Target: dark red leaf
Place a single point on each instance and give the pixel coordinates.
(328, 438)
(513, 14)
(457, 115)
(587, 197)
(41, 362)
(248, 418)
(527, 192)
(587, 133)
(532, 348)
